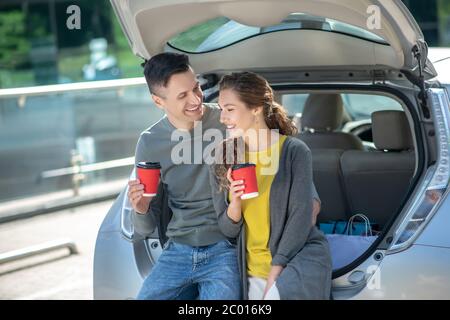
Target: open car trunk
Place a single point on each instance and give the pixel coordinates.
(149, 26)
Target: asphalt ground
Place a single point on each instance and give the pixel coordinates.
(56, 275)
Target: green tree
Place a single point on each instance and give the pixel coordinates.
(14, 45)
(444, 22)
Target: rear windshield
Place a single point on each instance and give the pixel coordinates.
(357, 106)
(221, 32)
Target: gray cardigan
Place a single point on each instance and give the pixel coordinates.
(294, 243)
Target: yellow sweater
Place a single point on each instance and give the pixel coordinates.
(256, 211)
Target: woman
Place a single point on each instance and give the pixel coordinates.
(282, 255)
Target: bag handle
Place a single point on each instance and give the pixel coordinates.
(363, 217)
(366, 223)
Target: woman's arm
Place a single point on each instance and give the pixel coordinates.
(229, 223)
(299, 210)
(236, 190)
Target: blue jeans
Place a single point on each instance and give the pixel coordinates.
(211, 271)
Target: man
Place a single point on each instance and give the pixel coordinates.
(196, 254)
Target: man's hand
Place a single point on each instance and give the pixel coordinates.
(273, 275)
(139, 203)
(316, 210)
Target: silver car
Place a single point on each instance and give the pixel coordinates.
(363, 66)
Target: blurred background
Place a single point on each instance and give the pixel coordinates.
(72, 106)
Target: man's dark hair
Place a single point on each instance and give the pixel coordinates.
(160, 68)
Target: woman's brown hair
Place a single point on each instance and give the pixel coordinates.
(254, 91)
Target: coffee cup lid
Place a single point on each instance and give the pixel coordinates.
(149, 165)
(242, 165)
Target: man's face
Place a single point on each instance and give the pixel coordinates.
(182, 99)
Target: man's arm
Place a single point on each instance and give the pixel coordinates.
(316, 205)
(144, 207)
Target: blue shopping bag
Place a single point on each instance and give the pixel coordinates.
(346, 247)
(333, 227)
(349, 227)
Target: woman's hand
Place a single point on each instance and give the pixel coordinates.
(236, 191)
(316, 211)
(236, 188)
(273, 275)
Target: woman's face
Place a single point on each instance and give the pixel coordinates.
(235, 115)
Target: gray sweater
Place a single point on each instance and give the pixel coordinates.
(191, 219)
(294, 243)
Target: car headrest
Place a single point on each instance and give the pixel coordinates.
(390, 130)
(323, 112)
(297, 120)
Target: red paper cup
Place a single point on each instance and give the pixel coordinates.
(148, 174)
(247, 173)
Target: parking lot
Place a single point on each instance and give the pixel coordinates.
(57, 274)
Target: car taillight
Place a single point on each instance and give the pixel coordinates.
(436, 179)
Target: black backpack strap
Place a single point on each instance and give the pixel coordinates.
(163, 213)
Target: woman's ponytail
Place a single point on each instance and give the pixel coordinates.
(277, 118)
